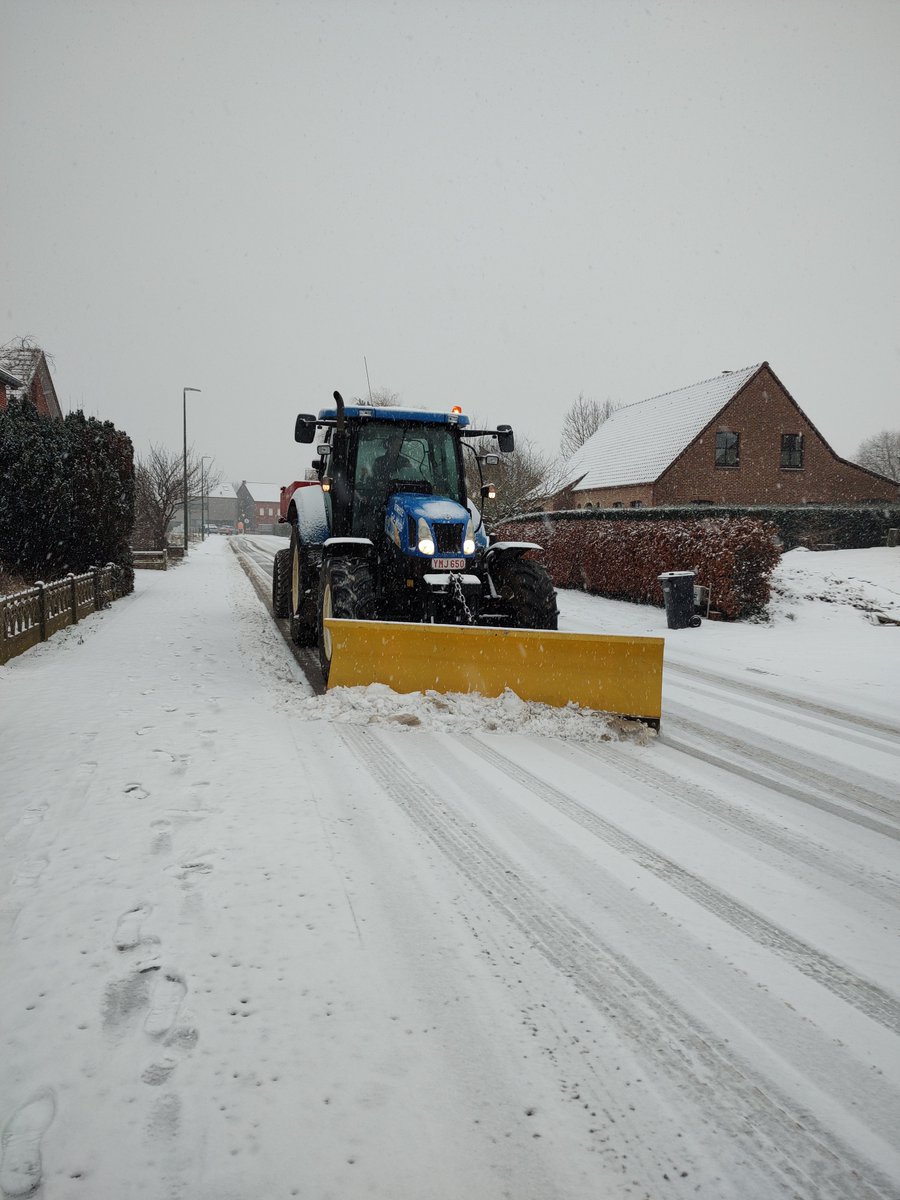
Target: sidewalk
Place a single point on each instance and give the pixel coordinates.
(149, 784)
(175, 922)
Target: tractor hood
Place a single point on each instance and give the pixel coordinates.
(432, 508)
(406, 509)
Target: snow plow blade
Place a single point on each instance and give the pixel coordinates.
(621, 675)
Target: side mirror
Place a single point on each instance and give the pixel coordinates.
(323, 450)
(305, 428)
(317, 465)
(505, 439)
(490, 460)
(488, 491)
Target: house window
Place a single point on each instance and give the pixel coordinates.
(637, 504)
(728, 449)
(792, 450)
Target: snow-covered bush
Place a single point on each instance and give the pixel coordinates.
(623, 559)
(66, 493)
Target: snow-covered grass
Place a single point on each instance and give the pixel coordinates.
(259, 944)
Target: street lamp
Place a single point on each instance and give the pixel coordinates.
(184, 403)
(205, 458)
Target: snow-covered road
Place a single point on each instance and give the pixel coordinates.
(261, 943)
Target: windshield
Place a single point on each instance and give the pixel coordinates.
(388, 452)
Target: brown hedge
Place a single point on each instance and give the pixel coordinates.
(733, 557)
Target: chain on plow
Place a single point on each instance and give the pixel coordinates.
(458, 599)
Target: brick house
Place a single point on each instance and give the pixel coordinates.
(8, 384)
(739, 438)
(259, 506)
(27, 365)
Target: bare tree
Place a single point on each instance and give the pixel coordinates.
(159, 492)
(380, 398)
(582, 421)
(881, 453)
(521, 478)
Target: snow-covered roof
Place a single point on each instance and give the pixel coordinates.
(638, 442)
(12, 381)
(264, 493)
(20, 361)
(225, 491)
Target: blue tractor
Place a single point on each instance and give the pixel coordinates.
(388, 533)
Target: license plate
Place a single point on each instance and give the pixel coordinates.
(448, 564)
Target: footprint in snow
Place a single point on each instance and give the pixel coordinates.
(128, 929)
(162, 836)
(157, 1073)
(20, 1164)
(124, 998)
(29, 872)
(167, 998)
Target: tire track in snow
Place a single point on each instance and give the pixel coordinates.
(772, 1132)
(797, 765)
(739, 687)
(678, 791)
(868, 998)
(786, 789)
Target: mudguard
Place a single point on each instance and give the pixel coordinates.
(312, 517)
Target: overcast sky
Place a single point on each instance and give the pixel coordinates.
(496, 204)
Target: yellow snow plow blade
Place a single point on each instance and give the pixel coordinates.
(612, 674)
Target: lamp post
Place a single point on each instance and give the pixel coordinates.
(184, 403)
(203, 519)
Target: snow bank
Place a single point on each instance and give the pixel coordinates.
(456, 713)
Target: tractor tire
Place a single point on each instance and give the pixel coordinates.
(300, 595)
(281, 584)
(526, 592)
(347, 590)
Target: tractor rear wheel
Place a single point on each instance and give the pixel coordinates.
(346, 590)
(526, 593)
(301, 599)
(281, 583)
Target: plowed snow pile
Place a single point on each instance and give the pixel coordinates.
(456, 713)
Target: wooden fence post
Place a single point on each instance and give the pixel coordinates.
(73, 598)
(98, 597)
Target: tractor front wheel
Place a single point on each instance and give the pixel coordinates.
(526, 593)
(346, 590)
(301, 598)
(281, 584)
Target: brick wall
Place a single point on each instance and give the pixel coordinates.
(761, 413)
(636, 495)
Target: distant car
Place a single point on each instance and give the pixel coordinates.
(226, 529)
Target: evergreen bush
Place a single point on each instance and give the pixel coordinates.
(66, 494)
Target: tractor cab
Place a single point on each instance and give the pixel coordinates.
(395, 467)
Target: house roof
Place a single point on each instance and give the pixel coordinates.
(264, 493)
(224, 491)
(24, 360)
(638, 442)
(21, 361)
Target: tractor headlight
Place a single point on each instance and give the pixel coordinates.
(469, 539)
(426, 541)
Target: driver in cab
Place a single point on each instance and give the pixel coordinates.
(392, 463)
